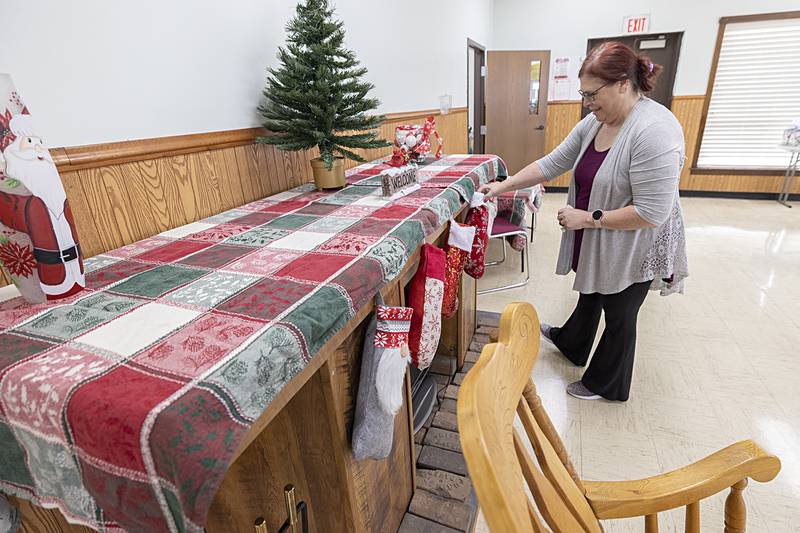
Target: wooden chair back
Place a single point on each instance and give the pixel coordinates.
(493, 392)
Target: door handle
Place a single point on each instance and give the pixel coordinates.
(540, 127)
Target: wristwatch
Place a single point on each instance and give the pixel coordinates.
(597, 217)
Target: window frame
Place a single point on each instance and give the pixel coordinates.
(731, 171)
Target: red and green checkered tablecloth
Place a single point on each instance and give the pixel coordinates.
(465, 173)
(123, 405)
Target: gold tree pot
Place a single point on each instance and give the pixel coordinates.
(328, 179)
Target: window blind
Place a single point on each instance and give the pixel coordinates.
(756, 95)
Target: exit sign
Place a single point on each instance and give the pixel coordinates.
(636, 24)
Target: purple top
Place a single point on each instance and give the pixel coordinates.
(584, 178)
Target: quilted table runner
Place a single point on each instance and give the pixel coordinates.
(464, 173)
(122, 406)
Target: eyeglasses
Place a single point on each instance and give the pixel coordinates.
(589, 96)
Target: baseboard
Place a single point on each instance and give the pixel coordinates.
(738, 195)
(715, 194)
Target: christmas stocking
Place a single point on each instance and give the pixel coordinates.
(425, 296)
(478, 217)
(9, 516)
(459, 246)
(380, 387)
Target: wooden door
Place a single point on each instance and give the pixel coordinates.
(663, 49)
(476, 97)
(516, 105)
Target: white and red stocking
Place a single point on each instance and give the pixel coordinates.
(425, 296)
(479, 216)
(459, 245)
(391, 352)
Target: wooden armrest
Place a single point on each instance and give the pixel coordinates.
(692, 483)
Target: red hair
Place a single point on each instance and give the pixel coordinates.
(613, 61)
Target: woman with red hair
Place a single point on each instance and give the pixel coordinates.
(622, 226)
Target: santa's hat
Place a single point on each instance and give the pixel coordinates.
(22, 126)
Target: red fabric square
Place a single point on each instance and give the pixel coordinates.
(266, 299)
(173, 251)
(314, 267)
(219, 233)
(106, 415)
(422, 193)
(191, 350)
(113, 273)
(393, 212)
(361, 280)
(318, 209)
(372, 226)
(348, 244)
(455, 171)
(117, 495)
(285, 206)
(208, 434)
(475, 159)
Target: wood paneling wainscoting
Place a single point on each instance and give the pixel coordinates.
(127, 191)
(562, 117)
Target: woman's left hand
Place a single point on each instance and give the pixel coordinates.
(570, 218)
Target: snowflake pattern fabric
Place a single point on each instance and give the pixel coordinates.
(478, 217)
(425, 296)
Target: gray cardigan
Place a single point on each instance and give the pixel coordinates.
(642, 169)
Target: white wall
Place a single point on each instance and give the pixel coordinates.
(96, 70)
(564, 26)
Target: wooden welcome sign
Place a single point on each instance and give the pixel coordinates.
(397, 178)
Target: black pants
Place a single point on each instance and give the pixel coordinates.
(609, 373)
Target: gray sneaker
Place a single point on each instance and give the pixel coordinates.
(579, 391)
(545, 329)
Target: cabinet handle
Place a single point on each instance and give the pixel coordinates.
(260, 525)
(291, 507)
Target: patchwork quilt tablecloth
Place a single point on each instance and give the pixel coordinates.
(463, 173)
(122, 406)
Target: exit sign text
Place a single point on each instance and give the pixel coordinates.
(636, 24)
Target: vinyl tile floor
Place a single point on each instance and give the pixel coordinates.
(714, 365)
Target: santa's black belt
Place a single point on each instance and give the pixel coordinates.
(54, 257)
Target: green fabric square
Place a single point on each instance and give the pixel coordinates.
(212, 289)
(258, 373)
(13, 459)
(331, 224)
(347, 196)
(97, 262)
(69, 321)
(290, 221)
(55, 474)
(320, 316)
(258, 237)
(453, 199)
(159, 280)
(392, 255)
(174, 509)
(410, 232)
(17, 347)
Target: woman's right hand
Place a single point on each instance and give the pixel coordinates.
(490, 190)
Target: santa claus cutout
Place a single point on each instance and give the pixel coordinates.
(39, 247)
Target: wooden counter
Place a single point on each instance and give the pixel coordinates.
(303, 439)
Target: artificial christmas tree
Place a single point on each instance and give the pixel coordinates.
(317, 97)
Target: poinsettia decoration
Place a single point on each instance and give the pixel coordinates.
(6, 136)
(17, 259)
